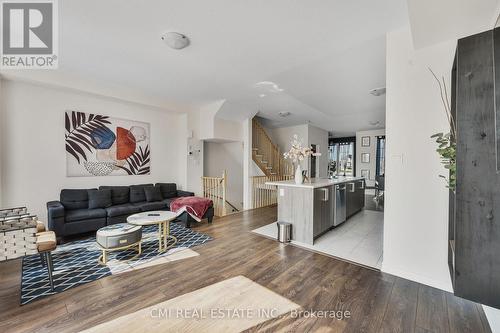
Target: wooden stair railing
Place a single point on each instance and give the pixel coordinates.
(265, 195)
(215, 188)
(266, 154)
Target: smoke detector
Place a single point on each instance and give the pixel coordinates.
(284, 114)
(378, 91)
(175, 40)
(374, 122)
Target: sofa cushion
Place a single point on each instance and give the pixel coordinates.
(99, 198)
(79, 227)
(119, 194)
(168, 201)
(84, 214)
(137, 193)
(74, 199)
(168, 190)
(153, 193)
(149, 206)
(125, 209)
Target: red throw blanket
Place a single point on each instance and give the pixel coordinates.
(195, 206)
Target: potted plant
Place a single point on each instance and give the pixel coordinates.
(447, 146)
(297, 154)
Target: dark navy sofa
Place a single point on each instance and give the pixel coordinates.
(83, 210)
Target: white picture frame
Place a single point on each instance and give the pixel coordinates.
(365, 141)
(365, 158)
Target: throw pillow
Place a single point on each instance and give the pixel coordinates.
(137, 193)
(99, 198)
(153, 193)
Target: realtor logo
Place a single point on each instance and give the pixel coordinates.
(29, 34)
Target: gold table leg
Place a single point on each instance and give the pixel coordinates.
(160, 237)
(167, 236)
(103, 259)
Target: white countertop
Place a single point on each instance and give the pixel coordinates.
(316, 182)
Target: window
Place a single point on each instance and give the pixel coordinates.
(341, 152)
(380, 167)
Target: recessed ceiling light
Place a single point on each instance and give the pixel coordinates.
(270, 86)
(263, 83)
(262, 95)
(175, 40)
(284, 114)
(378, 91)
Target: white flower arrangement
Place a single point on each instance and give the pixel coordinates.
(297, 152)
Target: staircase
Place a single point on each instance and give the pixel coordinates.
(215, 188)
(267, 155)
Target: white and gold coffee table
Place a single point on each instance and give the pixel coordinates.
(162, 219)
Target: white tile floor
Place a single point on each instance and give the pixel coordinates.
(359, 239)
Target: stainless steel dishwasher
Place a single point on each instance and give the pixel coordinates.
(340, 204)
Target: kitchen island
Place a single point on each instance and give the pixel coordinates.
(317, 206)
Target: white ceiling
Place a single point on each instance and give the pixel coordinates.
(325, 54)
(434, 21)
(333, 92)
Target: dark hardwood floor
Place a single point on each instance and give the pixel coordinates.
(377, 302)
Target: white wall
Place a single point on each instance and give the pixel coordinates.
(416, 205)
(309, 135)
(203, 124)
(194, 162)
(248, 163)
(181, 158)
(227, 130)
(226, 156)
(33, 163)
(372, 150)
(319, 137)
(282, 136)
(216, 128)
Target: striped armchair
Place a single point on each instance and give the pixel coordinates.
(21, 234)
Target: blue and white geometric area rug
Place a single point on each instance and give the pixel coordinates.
(76, 263)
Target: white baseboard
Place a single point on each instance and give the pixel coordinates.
(493, 316)
(405, 274)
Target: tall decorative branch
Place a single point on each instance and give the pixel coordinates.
(445, 100)
(447, 147)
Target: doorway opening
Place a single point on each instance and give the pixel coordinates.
(342, 152)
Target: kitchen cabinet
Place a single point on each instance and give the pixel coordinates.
(324, 200)
(351, 199)
(360, 195)
(324, 204)
(355, 197)
(311, 207)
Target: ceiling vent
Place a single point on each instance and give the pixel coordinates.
(175, 40)
(378, 91)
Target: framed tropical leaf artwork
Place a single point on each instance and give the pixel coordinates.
(99, 145)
